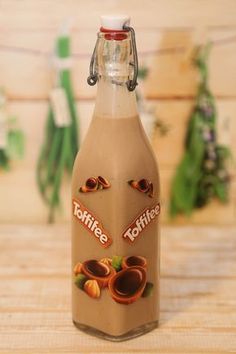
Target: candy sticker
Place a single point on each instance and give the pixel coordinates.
(140, 223)
(93, 184)
(124, 277)
(91, 223)
(143, 185)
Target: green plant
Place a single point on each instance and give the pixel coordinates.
(61, 143)
(202, 173)
(14, 147)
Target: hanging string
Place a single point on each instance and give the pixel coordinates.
(144, 53)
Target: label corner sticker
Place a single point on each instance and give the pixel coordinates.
(91, 223)
(138, 225)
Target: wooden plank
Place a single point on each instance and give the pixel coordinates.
(182, 13)
(169, 149)
(33, 209)
(53, 294)
(22, 201)
(66, 339)
(197, 313)
(175, 115)
(170, 342)
(174, 74)
(188, 256)
(29, 76)
(62, 319)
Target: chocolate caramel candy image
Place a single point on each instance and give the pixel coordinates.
(131, 261)
(96, 270)
(95, 183)
(151, 191)
(128, 285)
(103, 182)
(143, 185)
(91, 185)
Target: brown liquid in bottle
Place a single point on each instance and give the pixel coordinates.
(115, 207)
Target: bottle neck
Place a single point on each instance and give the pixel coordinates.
(114, 100)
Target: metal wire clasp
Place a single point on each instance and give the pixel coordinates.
(131, 83)
(93, 75)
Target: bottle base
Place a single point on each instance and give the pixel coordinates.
(136, 332)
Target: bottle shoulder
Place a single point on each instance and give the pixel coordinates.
(118, 148)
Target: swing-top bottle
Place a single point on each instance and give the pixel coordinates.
(115, 200)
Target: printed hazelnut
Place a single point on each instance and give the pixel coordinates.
(131, 261)
(77, 268)
(91, 287)
(104, 182)
(128, 285)
(133, 184)
(106, 261)
(98, 271)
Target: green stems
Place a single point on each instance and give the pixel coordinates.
(4, 160)
(202, 173)
(14, 148)
(60, 144)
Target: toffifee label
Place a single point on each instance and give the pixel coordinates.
(140, 223)
(91, 223)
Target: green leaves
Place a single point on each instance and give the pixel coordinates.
(148, 290)
(200, 60)
(202, 172)
(189, 172)
(13, 150)
(142, 72)
(221, 191)
(4, 160)
(80, 280)
(116, 262)
(15, 146)
(60, 144)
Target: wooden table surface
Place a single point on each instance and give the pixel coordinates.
(198, 294)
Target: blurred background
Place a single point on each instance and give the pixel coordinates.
(167, 34)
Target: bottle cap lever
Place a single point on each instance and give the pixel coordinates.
(131, 83)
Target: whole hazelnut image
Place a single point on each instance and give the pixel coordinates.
(91, 287)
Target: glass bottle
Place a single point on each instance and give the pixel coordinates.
(115, 201)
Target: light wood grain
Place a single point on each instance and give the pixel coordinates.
(174, 74)
(170, 86)
(179, 13)
(29, 76)
(26, 205)
(198, 284)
